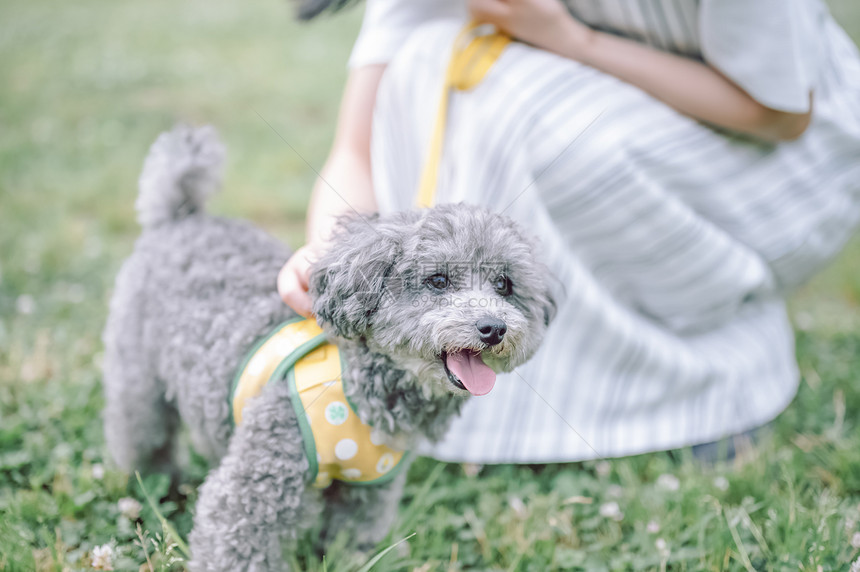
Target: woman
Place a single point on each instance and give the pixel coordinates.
(685, 163)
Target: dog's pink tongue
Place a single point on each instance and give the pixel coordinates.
(471, 370)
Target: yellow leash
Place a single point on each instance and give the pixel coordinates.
(476, 49)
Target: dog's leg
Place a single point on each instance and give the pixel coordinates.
(363, 514)
(139, 424)
(252, 503)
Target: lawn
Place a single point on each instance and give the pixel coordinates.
(84, 89)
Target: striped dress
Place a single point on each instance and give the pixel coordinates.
(673, 243)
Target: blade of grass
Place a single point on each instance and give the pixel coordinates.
(422, 494)
(165, 525)
(740, 545)
(373, 561)
(756, 532)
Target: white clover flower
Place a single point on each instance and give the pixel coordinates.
(471, 469)
(129, 508)
(517, 505)
(668, 482)
(102, 557)
(855, 566)
(98, 471)
(855, 540)
(25, 304)
(662, 547)
(603, 468)
(653, 527)
(721, 483)
(611, 510)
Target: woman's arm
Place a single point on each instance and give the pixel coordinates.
(344, 185)
(690, 86)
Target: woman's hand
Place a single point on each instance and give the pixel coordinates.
(544, 24)
(293, 279)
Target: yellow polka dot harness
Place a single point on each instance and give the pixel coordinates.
(339, 446)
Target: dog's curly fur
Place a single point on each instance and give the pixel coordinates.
(198, 291)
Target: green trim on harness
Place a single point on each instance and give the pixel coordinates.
(347, 451)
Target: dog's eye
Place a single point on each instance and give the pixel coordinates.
(502, 284)
(438, 281)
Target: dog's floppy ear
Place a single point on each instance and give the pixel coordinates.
(350, 281)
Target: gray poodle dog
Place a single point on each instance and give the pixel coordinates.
(424, 307)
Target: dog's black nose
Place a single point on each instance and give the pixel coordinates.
(491, 330)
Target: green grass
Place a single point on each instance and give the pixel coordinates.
(84, 89)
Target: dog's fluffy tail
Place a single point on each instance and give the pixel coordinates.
(182, 170)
